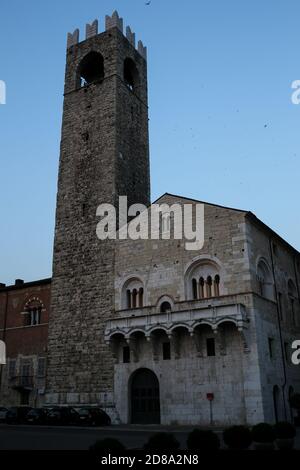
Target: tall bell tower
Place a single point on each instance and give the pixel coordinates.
(104, 154)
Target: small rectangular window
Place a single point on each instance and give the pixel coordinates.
(166, 351)
(41, 371)
(12, 368)
(26, 370)
(126, 354)
(271, 347)
(210, 347)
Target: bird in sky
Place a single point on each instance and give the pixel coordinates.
(148, 3)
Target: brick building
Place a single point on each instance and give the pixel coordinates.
(24, 313)
(147, 329)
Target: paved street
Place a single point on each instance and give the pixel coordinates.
(71, 438)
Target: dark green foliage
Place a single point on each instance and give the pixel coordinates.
(262, 433)
(237, 437)
(203, 440)
(107, 446)
(162, 441)
(284, 430)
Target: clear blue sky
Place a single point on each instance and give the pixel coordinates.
(222, 125)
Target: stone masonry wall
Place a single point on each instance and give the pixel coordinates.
(97, 133)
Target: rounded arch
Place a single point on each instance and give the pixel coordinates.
(165, 307)
(165, 299)
(158, 328)
(32, 311)
(33, 301)
(264, 278)
(180, 326)
(202, 324)
(132, 293)
(90, 69)
(225, 320)
(116, 335)
(136, 331)
(203, 278)
(131, 75)
(144, 397)
(165, 304)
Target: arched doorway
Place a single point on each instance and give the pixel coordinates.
(276, 398)
(144, 397)
(291, 393)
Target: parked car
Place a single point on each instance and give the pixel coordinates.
(17, 414)
(92, 417)
(3, 412)
(36, 416)
(61, 415)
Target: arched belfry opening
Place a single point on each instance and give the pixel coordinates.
(91, 69)
(144, 397)
(131, 75)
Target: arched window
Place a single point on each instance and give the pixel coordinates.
(203, 280)
(217, 285)
(128, 298)
(141, 296)
(131, 75)
(292, 293)
(165, 307)
(195, 290)
(133, 294)
(134, 298)
(201, 288)
(91, 69)
(208, 286)
(265, 280)
(33, 312)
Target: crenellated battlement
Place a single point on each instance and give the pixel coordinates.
(113, 21)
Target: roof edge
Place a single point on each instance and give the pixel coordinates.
(201, 202)
(251, 216)
(26, 284)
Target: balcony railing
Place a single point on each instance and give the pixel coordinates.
(21, 381)
(189, 314)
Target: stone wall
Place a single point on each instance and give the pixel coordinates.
(104, 154)
(234, 377)
(274, 321)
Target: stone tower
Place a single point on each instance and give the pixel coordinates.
(104, 154)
